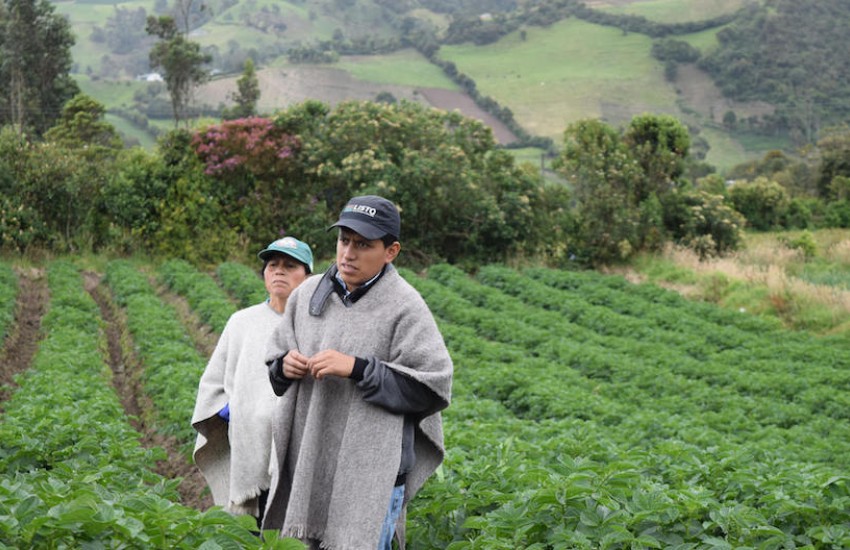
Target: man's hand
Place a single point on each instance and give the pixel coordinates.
(295, 365)
(330, 363)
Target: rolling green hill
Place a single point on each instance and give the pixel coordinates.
(547, 76)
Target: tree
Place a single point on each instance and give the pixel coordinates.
(181, 61)
(248, 86)
(82, 125)
(835, 160)
(764, 203)
(35, 59)
(660, 144)
(124, 30)
(603, 174)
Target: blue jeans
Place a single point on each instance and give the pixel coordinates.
(394, 510)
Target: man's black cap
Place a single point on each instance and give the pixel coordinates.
(371, 216)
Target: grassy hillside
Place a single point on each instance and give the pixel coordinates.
(571, 70)
(548, 77)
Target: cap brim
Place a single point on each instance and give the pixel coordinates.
(267, 253)
(365, 230)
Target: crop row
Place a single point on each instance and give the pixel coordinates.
(8, 297)
(588, 430)
(74, 473)
(781, 392)
(242, 283)
(201, 292)
(689, 470)
(539, 368)
(728, 332)
(560, 459)
(172, 365)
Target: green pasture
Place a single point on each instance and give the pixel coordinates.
(129, 130)
(405, 68)
(725, 151)
(84, 13)
(728, 150)
(297, 18)
(111, 93)
(567, 72)
(678, 11)
(704, 41)
(220, 34)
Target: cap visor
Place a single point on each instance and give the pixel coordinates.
(365, 230)
(267, 253)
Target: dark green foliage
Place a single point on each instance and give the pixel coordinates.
(124, 31)
(35, 49)
(630, 193)
(81, 126)
(704, 221)
(792, 53)
(835, 162)
(247, 95)
(50, 196)
(677, 51)
(763, 202)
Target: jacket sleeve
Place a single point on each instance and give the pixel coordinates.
(280, 383)
(392, 390)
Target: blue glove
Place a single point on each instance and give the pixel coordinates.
(225, 412)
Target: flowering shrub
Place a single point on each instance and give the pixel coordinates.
(253, 144)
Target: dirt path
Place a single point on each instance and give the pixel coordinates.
(22, 342)
(127, 369)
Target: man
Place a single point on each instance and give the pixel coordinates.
(363, 373)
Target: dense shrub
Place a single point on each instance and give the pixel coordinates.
(704, 222)
(764, 203)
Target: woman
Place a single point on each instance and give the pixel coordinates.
(233, 408)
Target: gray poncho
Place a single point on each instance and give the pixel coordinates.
(234, 456)
(338, 455)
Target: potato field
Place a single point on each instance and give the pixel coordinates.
(587, 412)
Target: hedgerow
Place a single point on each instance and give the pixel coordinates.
(74, 473)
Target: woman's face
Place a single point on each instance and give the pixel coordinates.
(282, 275)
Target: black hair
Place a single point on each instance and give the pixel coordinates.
(388, 240)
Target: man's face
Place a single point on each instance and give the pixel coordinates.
(359, 259)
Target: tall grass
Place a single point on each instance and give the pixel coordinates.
(766, 277)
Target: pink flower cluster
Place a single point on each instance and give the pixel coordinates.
(254, 144)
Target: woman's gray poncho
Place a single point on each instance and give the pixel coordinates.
(234, 457)
(338, 454)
